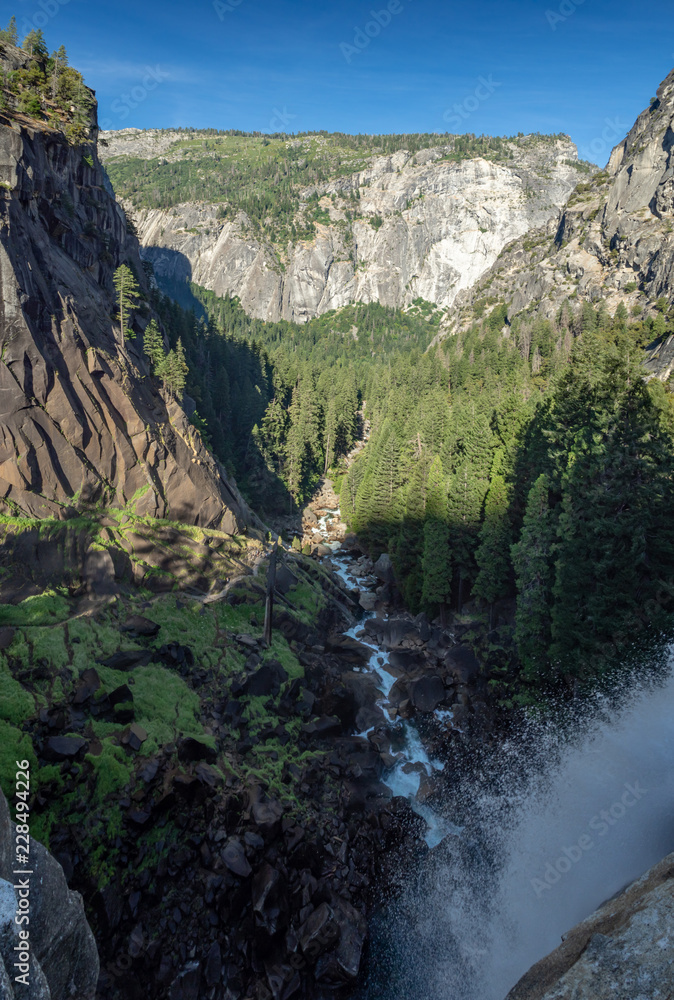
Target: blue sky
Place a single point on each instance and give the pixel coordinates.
(586, 67)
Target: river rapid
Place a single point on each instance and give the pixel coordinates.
(532, 840)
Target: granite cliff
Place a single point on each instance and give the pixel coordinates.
(612, 241)
(427, 224)
(622, 950)
(82, 420)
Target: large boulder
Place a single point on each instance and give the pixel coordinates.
(427, 693)
(63, 948)
(383, 569)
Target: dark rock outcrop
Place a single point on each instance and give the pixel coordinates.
(80, 416)
(64, 963)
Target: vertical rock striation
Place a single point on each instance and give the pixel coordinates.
(80, 416)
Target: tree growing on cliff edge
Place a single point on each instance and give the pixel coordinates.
(173, 371)
(153, 345)
(128, 294)
(10, 33)
(34, 44)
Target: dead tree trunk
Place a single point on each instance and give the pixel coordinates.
(271, 584)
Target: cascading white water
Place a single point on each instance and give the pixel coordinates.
(559, 826)
(551, 826)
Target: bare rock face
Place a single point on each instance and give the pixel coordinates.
(80, 416)
(430, 227)
(625, 949)
(64, 960)
(613, 241)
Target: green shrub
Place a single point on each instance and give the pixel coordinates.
(42, 609)
(16, 704)
(14, 746)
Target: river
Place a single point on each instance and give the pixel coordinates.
(555, 823)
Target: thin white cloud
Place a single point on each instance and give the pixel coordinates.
(111, 71)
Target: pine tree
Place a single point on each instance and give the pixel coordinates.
(35, 44)
(10, 34)
(407, 551)
(173, 371)
(128, 294)
(153, 345)
(616, 479)
(330, 435)
(295, 448)
(59, 60)
(492, 555)
(436, 559)
(533, 562)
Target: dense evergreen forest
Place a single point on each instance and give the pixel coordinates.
(526, 463)
(530, 462)
(279, 402)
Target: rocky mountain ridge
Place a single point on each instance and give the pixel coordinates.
(427, 227)
(82, 419)
(613, 241)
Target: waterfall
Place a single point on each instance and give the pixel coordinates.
(553, 824)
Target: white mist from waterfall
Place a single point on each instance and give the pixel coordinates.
(536, 855)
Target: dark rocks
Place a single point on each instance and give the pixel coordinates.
(383, 569)
(127, 659)
(462, 664)
(327, 725)
(350, 650)
(64, 747)
(342, 965)
(235, 858)
(89, 684)
(269, 899)
(173, 654)
(427, 693)
(122, 695)
(135, 737)
(140, 627)
(213, 969)
(267, 817)
(246, 640)
(319, 933)
(191, 749)
(186, 984)
(266, 681)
